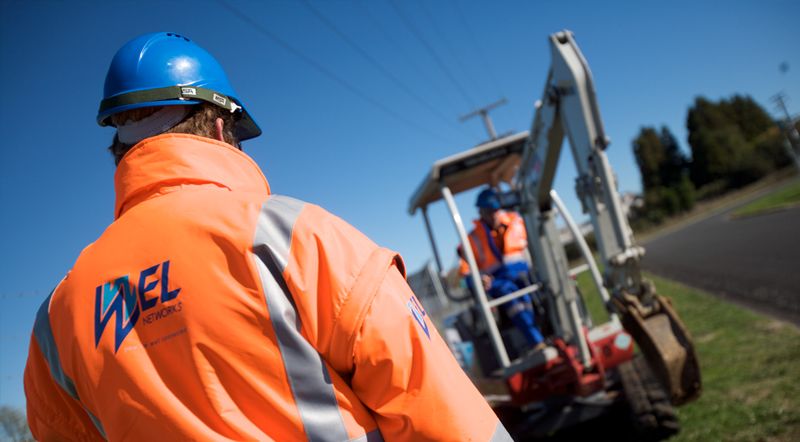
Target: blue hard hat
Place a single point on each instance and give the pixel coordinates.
(488, 199)
(168, 69)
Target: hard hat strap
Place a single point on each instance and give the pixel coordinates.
(171, 93)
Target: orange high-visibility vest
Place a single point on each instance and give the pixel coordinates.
(514, 241)
(212, 310)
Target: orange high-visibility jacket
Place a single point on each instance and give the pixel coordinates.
(515, 240)
(211, 310)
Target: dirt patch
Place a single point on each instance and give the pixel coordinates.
(772, 326)
(708, 337)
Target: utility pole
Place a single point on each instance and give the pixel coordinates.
(792, 142)
(487, 120)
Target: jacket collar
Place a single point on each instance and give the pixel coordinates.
(166, 162)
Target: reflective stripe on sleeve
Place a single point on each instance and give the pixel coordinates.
(501, 434)
(43, 333)
(511, 258)
(305, 369)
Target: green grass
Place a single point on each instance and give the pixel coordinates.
(750, 367)
(592, 299)
(787, 197)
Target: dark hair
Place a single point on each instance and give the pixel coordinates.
(201, 121)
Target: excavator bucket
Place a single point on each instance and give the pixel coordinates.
(665, 343)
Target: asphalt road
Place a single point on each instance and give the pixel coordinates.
(753, 261)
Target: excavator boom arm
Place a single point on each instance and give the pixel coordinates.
(569, 108)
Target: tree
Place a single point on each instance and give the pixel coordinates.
(659, 157)
(707, 125)
(675, 165)
(664, 169)
(751, 119)
(14, 425)
(733, 142)
(649, 156)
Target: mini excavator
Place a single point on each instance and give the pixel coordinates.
(586, 369)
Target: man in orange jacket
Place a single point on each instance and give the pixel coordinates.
(498, 243)
(213, 310)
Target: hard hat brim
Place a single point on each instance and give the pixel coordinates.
(245, 129)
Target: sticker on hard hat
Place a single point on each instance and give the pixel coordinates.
(220, 99)
(188, 91)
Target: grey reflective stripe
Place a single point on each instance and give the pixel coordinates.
(97, 423)
(372, 436)
(275, 224)
(500, 434)
(308, 376)
(44, 337)
(43, 333)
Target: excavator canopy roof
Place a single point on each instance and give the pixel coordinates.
(489, 163)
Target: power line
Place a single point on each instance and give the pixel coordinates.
(484, 114)
(325, 71)
(447, 45)
(401, 50)
(432, 52)
(478, 47)
(377, 65)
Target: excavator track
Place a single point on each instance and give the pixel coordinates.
(650, 410)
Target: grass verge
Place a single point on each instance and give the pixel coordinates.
(787, 197)
(750, 367)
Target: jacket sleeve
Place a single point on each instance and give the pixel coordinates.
(405, 373)
(53, 415)
(363, 318)
(463, 266)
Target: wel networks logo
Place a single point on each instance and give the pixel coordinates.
(126, 302)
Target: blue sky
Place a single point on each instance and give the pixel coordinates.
(339, 131)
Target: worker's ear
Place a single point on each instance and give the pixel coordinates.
(220, 124)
